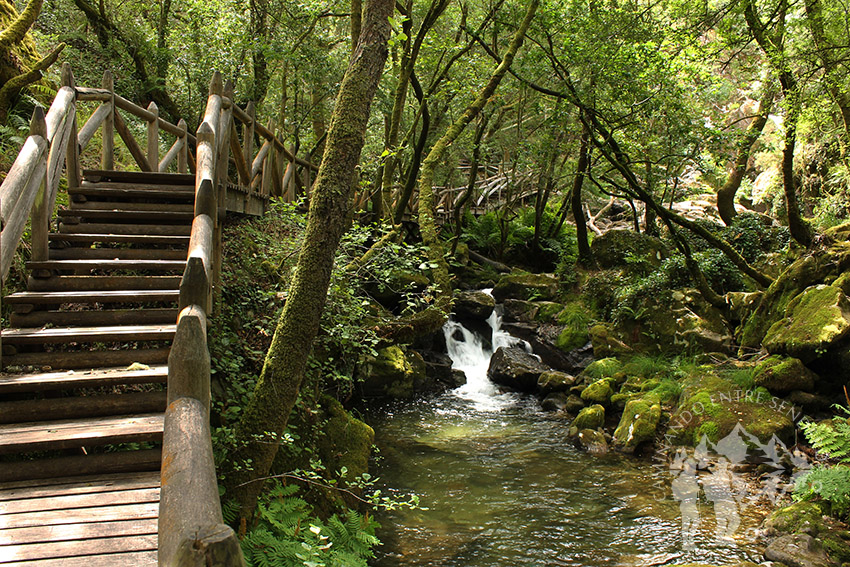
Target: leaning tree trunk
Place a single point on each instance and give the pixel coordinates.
(583, 168)
(267, 414)
(427, 224)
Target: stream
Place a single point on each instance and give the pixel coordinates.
(504, 486)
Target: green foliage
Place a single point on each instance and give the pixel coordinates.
(286, 535)
(829, 484)
(831, 437)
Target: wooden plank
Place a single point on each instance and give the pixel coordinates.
(137, 177)
(141, 511)
(87, 359)
(106, 283)
(122, 296)
(35, 551)
(80, 253)
(134, 559)
(77, 485)
(82, 406)
(115, 228)
(92, 464)
(148, 239)
(65, 434)
(72, 532)
(77, 379)
(118, 214)
(164, 192)
(75, 501)
(149, 316)
(89, 334)
(134, 206)
(157, 265)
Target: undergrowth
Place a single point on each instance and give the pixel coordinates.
(829, 484)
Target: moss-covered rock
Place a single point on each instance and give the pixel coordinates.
(815, 321)
(598, 392)
(555, 381)
(712, 406)
(515, 369)
(574, 404)
(571, 338)
(347, 441)
(547, 311)
(591, 417)
(602, 368)
(624, 248)
(556, 401)
(743, 303)
(527, 286)
(389, 374)
(807, 518)
(473, 305)
(606, 343)
(593, 442)
(638, 424)
(781, 375)
(519, 310)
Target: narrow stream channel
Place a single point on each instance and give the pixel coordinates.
(504, 486)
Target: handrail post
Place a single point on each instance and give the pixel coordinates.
(107, 154)
(40, 215)
(222, 162)
(248, 139)
(268, 166)
(153, 137)
(72, 153)
(183, 155)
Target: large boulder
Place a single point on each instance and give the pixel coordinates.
(815, 321)
(625, 248)
(346, 441)
(781, 375)
(807, 518)
(591, 417)
(527, 286)
(543, 338)
(515, 369)
(598, 392)
(638, 424)
(798, 550)
(473, 305)
(555, 381)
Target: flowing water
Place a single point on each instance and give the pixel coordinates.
(504, 486)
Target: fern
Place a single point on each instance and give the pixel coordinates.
(287, 535)
(831, 438)
(831, 484)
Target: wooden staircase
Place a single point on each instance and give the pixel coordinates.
(81, 427)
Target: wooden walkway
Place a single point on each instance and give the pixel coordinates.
(80, 438)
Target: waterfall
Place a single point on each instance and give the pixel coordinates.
(471, 354)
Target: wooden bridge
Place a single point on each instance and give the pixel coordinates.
(105, 451)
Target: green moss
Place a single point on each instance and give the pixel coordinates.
(814, 321)
(598, 392)
(571, 339)
(388, 374)
(638, 424)
(591, 417)
(527, 286)
(347, 441)
(554, 381)
(547, 311)
(708, 429)
(781, 374)
(603, 368)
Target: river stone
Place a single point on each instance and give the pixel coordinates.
(527, 286)
(591, 417)
(574, 404)
(781, 375)
(519, 310)
(638, 424)
(598, 392)
(473, 305)
(515, 369)
(555, 381)
(798, 550)
(389, 374)
(620, 248)
(815, 321)
(602, 368)
(555, 401)
(593, 441)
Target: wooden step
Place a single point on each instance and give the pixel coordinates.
(106, 238)
(137, 229)
(75, 407)
(105, 283)
(87, 359)
(151, 192)
(139, 177)
(88, 334)
(133, 206)
(70, 466)
(82, 253)
(124, 216)
(120, 296)
(94, 318)
(68, 380)
(64, 486)
(70, 433)
(104, 264)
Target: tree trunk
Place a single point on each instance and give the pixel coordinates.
(584, 256)
(726, 193)
(284, 366)
(427, 225)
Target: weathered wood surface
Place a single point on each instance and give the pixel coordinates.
(82, 406)
(124, 462)
(70, 379)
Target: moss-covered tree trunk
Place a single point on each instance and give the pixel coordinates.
(266, 416)
(427, 224)
(576, 204)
